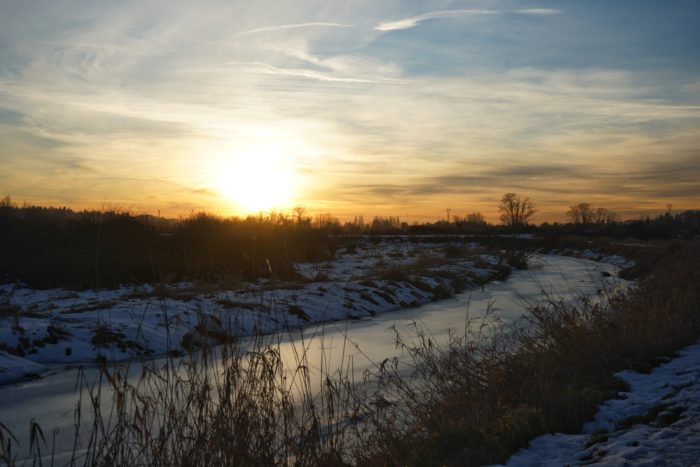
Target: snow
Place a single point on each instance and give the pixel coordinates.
(595, 255)
(14, 368)
(657, 422)
(59, 326)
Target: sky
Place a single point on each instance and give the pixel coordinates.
(403, 108)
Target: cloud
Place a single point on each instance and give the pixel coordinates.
(332, 72)
(413, 21)
(464, 179)
(203, 192)
(538, 11)
(303, 73)
(283, 27)
(674, 177)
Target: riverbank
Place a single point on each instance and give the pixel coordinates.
(40, 328)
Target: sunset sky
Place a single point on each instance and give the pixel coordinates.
(401, 108)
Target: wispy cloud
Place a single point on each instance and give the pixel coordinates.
(301, 73)
(267, 69)
(413, 21)
(539, 11)
(284, 27)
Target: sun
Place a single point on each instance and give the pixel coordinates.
(257, 177)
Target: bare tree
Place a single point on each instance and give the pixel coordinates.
(516, 210)
(581, 213)
(299, 212)
(385, 224)
(326, 221)
(476, 218)
(584, 213)
(605, 216)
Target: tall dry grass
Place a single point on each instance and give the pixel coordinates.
(239, 403)
(47, 248)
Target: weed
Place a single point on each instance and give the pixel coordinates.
(228, 303)
(598, 436)
(367, 296)
(7, 308)
(456, 252)
(670, 416)
(97, 305)
(104, 337)
(386, 295)
(298, 311)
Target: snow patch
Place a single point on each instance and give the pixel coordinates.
(14, 368)
(656, 423)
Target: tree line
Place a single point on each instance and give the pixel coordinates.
(516, 212)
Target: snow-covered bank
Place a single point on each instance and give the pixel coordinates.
(594, 255)
(63, 326)
(657, 422)
(14, 368)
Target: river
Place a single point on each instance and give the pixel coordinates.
(51, 400)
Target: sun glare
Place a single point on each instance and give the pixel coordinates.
(256, 178)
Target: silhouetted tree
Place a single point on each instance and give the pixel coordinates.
(356, 226)
(326, 221)
(475, 218)
(605, 216)
(581, 213)
(584, 213)
(299, 212)
(516, 210)
(385, 224)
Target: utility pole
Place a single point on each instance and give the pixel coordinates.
(449, 213)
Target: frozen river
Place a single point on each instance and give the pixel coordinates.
(51, 400)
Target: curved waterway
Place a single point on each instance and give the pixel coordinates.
(51, 400)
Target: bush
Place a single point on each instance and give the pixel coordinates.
(60, 248)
